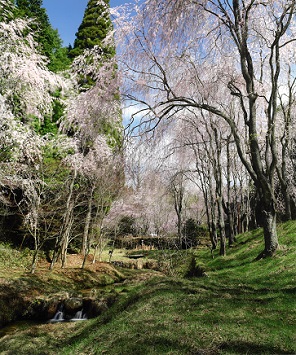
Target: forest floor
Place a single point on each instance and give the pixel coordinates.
(239, 306)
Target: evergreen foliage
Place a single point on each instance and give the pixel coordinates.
(95, 26)
(96, 50)
(126, 226)
(50, 123)
(47, 37)
(7, 10)
(193, 232)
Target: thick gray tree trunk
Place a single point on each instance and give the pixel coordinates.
(270, 232)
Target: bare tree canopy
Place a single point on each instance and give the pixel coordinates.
(228, 58)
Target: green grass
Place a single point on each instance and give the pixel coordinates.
(11, 258)
(243, 306)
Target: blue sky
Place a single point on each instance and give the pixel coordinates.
(66, 16)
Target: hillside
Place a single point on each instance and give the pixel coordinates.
(240, 306)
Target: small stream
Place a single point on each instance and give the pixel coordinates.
(27, 324)
(61, 317)
(58, 308)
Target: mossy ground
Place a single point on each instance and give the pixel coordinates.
(242, 306)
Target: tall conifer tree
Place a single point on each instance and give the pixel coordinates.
(48, 38)
(95, 64)
(94, 28)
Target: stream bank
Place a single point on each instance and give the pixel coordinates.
(38, 297)
(92, 290)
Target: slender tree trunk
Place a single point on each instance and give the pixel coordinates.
(100, 246)
(35, 232)
(177, 189)
(66, 236)
(228, 209)
(95, 253)
(63, 240)
(35, 256)
(211, 225)
(178, 209)
(34, 262)
(282, 175)
(86, 253)
(285, 140)
(219, 197)
(245, 211)
(214, 236)
(85, 238)
(56, 253)
(231, 237)
(221, 227)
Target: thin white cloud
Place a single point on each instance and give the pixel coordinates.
(132, 114)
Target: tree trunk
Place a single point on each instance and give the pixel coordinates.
(231, 237)
(270, 234)
(227, 205)
(177, 189)
(221, 227)
(85, 238)
(86, 253)
(63, 241)
(34, 261)
(287, 201)
(95, 253)
(66, 236)
(211, 228)
(213, 235)
(288, 212)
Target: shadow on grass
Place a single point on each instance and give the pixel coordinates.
(289, 290)
(159, 344)
(244, 347)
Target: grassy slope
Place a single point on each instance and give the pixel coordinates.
(242, 307)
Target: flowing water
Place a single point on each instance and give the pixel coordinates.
(60, 316)
(79, 316)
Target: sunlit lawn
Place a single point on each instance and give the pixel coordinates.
(242, 307)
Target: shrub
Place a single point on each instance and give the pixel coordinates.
(194, 269)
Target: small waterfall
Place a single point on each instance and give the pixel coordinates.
(58, 317)
(79, 316)
(65, 315)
